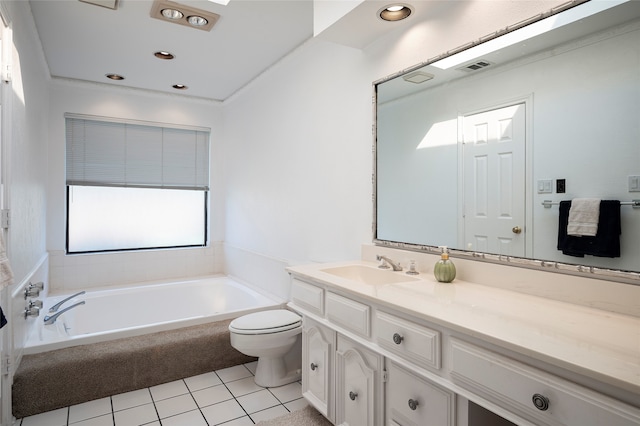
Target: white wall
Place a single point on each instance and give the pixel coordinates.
(82, 271)
(24, 165)
(298, 140)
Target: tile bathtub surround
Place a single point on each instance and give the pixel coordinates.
(227, 397)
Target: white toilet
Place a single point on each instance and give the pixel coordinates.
(275, 338)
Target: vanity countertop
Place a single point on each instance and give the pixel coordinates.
(592, 342)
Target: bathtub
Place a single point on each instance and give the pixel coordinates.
(113, 313)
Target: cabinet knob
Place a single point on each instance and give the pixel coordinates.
(413, 404)
(397, 339)
(541, 402)
(353, 395)
(313, 366)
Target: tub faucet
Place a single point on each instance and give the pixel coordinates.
(50, 319)
(55, 307)
(388, 262)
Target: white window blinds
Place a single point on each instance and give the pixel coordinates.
(106, 153)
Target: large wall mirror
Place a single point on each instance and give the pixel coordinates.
(476, 150)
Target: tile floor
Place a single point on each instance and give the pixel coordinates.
(226, 397)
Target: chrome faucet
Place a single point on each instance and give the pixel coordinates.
(388, 262)
(55, 307)
(50, 319)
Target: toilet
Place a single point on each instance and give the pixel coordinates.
(274, 337)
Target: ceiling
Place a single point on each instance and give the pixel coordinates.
(84, 41)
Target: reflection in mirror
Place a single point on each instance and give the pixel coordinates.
(471, 148)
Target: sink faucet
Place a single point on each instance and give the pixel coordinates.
(388, 262)
(50, 319)
(55, 307)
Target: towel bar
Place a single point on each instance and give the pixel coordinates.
(633, 203)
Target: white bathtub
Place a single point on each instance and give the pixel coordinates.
(132, 311)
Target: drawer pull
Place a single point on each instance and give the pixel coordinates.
(397, 339)
(353, 395)
(541, 402)
(413, 404)
(314, 366)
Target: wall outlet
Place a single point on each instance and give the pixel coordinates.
(561, 186)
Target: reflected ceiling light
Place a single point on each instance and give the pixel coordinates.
(174, 14)
(163, 55)
(115, 76)
(418, 77)
(395, 12)
(179, 87)
(197, 21)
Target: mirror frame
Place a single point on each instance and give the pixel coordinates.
(629, 277)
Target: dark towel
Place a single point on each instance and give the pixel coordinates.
(3, 320)
(606, 242)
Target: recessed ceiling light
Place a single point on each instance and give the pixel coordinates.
(163, 55)
(179, 87)
(115, 76)
(197, 21)
(170, 11)
(395, 12)
(172, 14)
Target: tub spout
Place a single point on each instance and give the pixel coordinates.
(50, 319)
(55, 307)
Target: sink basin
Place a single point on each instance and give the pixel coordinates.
(367, 275)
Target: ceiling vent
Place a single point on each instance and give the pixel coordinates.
(183, 15)
(418, 77)
(110, 4)
(475, 66)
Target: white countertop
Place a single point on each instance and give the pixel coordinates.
(599, 344)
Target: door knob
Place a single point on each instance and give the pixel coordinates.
(516, 230)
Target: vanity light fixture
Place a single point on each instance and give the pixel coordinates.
(116, 77)
(169, 11)
(163, 55)
(395, 12)
(179, 87)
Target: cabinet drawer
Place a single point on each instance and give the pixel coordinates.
(351, 315)
(415, 401)
(411, 341)
(533, 393)
(307, 296)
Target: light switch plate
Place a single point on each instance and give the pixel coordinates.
(634, 183)
(545, 186)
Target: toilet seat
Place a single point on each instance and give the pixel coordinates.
(266, 322)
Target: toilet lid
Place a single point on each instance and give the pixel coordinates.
(272, 321)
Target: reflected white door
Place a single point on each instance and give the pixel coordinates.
(494, 180)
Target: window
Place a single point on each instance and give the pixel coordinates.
(135, 186)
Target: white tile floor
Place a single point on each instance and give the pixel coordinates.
(227, 397)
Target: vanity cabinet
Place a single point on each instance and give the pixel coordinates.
(369, 362)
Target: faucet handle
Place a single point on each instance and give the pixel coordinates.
(31, 311)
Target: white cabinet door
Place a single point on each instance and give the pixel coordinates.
(318, 349)
(413, 401)
(358, 385)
